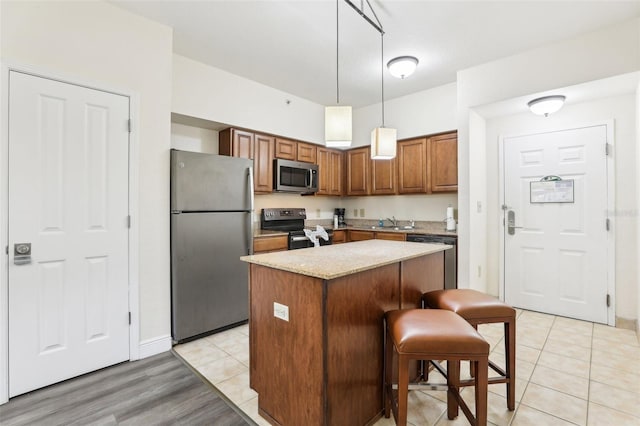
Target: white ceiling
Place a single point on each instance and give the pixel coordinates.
(291, 45)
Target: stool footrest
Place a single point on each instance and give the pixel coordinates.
(424, 386)
(497, 369)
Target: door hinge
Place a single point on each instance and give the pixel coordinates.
(129, 318)
(608, 224)
(607, 149)
(129, 221)
(608, 300)
(129, 125)
(7, 249)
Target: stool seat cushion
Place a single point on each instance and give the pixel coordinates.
(436, 332)
(469, 304)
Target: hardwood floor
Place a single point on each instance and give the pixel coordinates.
(158, 390)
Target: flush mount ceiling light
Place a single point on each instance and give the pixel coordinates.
(402, 66)
(546, 105)
(337, 119)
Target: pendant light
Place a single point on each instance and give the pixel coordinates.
(383, 139)
(337, 119)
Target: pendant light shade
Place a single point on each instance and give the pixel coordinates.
(383, 143)
(546, 105)
(337, 126)
(337, 119)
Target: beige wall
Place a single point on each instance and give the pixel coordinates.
(100, 43)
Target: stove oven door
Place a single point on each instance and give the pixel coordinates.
(298, 240)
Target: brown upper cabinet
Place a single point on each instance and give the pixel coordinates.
(236, 143)
(288, 149)
(412, 166)
(245, 144)
(358, 171)
(330, 165)
(443, 158)
(383, 176)
(428, 164)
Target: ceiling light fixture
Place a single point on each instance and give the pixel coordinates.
(546, 105)
(402, 66)
(337, 119)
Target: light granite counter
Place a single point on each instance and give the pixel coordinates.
(333, 261)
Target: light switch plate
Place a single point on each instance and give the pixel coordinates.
(281, 311)
(361, 212)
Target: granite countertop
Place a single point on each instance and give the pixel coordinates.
(334, 261)
(425, 228)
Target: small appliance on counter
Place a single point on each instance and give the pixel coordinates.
(451, 222)
(292, 221)
(340, 214)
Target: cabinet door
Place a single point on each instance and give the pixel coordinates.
(330, 171)
(443, 158)
(336, 175)
(306, 152)
(339, 237)
(236, 143)
(268, 244)
(394, 236)
(286, 149)
(358, 165)
(412, 166)
(361, 235)
(383, 176)
(263, 163)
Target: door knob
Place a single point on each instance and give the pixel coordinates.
(511, 223)
(22, 253)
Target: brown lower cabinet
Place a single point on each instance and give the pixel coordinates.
(339, 236)
(267, 244)
(358, 235)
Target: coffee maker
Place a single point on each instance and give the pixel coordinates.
(340, 214)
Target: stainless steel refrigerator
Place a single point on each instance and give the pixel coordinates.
(211, 227)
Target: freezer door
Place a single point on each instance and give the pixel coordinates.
(209, 283)
(208, 182)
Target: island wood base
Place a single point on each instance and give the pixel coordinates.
(324, 366)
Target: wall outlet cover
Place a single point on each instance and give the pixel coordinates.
(281, 311)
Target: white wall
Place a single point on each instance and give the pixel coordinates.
(210, 93)
(609, 52)
(99, 42)
(192, 138)
(622, 110)
(638, 206)
(478, 202)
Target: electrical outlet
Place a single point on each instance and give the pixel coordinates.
(355, 212)
(479, 271)
(479, 206)
(317, 213)
(281, 311)
(361, 212)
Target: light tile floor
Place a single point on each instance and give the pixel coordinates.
(569, 372)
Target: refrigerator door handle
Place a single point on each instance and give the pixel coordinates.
(249, 223)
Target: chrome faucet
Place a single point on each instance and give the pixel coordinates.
(393, 220)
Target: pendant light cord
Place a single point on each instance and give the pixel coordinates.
(337, 57)
(382, 72)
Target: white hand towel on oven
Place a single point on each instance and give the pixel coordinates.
(313, 235)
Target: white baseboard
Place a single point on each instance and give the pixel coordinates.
(154, 346)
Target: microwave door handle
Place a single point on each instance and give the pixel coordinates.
(310, 179)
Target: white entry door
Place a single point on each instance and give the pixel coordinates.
(555, 257)
(68, 231)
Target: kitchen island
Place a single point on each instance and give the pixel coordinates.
(315, 326)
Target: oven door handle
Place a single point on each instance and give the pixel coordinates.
(294, 239)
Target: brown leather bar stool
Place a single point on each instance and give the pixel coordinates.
(479, 308)
(422, 334)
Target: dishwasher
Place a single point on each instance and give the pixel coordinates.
(450, 264)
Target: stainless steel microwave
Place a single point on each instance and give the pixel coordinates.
(294, 176)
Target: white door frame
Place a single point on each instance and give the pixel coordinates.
(134, 328)
(611, 203)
